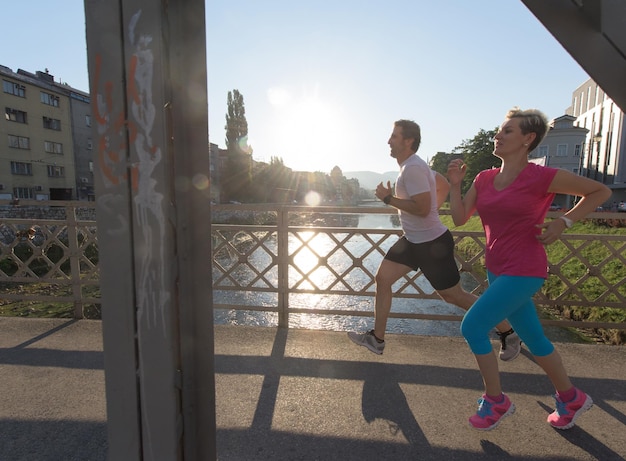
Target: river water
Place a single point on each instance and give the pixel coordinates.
(357, 246)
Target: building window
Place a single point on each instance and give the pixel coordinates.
(543, 151)
(22, 168)
(14, 88)
(19, 142)
(15, 115)
(23, 192)
(52, 123)
(89, 144)
(55, 171)
(561, 150)
(88, 120)
(49, 99)
(53, 147)
(577, 149)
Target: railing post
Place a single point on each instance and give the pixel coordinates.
(282, 222)
(72, 237)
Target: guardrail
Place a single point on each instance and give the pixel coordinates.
(296, 260)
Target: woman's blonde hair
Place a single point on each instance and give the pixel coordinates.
(532, 121)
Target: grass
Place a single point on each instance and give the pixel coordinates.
(595, 252)
(45, 309)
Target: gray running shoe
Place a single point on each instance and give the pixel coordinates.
(510, 345)
(367, 340)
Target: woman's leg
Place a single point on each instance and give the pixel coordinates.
(504, 297)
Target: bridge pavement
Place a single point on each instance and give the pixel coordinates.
(313, 395)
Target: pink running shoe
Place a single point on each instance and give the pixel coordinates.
(490, 413)
(566, 413)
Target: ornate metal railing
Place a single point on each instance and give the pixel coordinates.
(294, 260)
(52, 248)
(586, 270)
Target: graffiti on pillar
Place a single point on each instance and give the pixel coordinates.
(116, 133)
(152, 287)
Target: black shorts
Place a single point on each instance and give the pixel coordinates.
(435, 259)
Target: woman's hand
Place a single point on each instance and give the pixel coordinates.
(456, 171)
(552, 231)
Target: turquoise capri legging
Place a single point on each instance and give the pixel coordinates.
(508, 297)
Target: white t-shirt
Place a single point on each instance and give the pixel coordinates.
(416, 177)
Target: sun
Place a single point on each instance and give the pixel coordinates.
(307, 129)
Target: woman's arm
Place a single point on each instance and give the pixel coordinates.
(592, 192)
(593, 195)
(461, 208)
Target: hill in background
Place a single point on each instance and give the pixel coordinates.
(369, 180)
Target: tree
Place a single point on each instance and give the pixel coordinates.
(441, 160)
(477, 153)
(237, 178)
(236, 124)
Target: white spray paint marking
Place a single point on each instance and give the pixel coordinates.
(152, 292)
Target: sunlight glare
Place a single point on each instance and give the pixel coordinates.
(307, 128)
(312, 198)
(278, 96)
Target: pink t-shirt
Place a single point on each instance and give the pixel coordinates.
(509, 217)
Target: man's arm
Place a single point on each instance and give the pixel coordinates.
(418, 204)
(443, 188)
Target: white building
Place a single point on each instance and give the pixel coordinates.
(589, 141)
(562, 148)
(604, 154)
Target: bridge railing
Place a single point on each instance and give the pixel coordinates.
(290, 261)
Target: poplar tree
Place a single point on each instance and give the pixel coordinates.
(236, 124)
(237, 178)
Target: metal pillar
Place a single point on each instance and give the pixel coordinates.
(147, 68)
(592, 32)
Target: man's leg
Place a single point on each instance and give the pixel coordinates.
(459, 297)
(388, 273)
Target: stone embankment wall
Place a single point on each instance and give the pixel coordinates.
(55, 213)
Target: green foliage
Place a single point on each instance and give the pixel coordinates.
(477, 153)
(441, 160)
(237, 177)
(236, 124)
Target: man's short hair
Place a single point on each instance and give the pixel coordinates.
(410, 129)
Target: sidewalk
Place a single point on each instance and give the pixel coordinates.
(313, 395)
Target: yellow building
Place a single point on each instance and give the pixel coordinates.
(36, 144)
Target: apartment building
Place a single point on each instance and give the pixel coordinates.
(603, 156)
(589, 140)
(45, 138)
(562, 148)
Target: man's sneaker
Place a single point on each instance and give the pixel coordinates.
(367, 340)
(510, 345)
(566, 413)
(490, 413)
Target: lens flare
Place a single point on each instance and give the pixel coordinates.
(200, 182)
(243, 145)
(312, 198)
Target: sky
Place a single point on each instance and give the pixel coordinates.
(323, 81)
